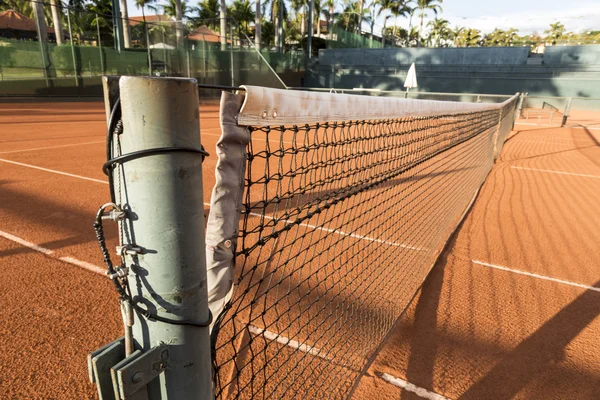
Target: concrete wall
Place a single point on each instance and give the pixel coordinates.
(572, 55)
(440, 71)
(441, 56)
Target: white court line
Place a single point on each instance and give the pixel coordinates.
(285, 341)
(557, 172)
(354, 235)
(208, 204)
(51, 147)
(70, 260)
(53, 171)
(419, 391)
(530, 274)
(557, 125)
(424, 393)
(589, 128)
(25, 243)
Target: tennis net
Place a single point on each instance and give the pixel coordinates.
(328, 213)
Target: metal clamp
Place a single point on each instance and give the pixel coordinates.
(121, 273)
(116, 214)
(129, 249)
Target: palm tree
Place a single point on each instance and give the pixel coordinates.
(456, 34)
(242, 13)
(223, 24)
(439, 29)
(423, 6)
(331, 9)
(319, 5)
(469, 37)
(556, 31)
(348, 19)
(207, 10)
(297, 6)
(142, 4)
(25, 7)
(57, 22)
(399, 9)
(125, 22)
(498, 37)
(257, 21)
(170, 9)
(384, 7)
(278, 8)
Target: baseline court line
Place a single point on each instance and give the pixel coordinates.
(69, 260)
(557, 125)
(50, 147)
(53, 171)
(532, 275)
(557, 172)
(419, 391)
(354, 235)
(286, 341)
(25, 243)
(207, 204)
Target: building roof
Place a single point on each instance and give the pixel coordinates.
(203, 33)
(151, 19)
(16, 21)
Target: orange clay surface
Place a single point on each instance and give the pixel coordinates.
(474, 331)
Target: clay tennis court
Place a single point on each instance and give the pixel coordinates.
(510, 309)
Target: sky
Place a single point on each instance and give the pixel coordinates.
(528, 16)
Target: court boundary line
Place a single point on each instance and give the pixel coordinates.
(538, 276)
(410, 387)
(49, 253)
(557, 125)
(315, 351)
(303, 347)
(52, 170)
(342, 233)
(51, 147)
(556, 172)
(208, 204)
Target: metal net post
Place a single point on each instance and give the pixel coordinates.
(164, 232)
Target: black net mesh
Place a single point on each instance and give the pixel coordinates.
(341, 224)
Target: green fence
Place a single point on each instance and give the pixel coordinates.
(345, 39)
(29, 68)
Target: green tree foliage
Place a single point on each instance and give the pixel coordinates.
(440, 31)
(243, 14)
(555, 32)
(423, 6)
(207, 14)
(468, 37)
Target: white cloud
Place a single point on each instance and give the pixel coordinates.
(575, 19)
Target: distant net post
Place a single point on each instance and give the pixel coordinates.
(567, 109)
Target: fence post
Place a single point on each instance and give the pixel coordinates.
(567, 109)
(42, 37)
(519, 110)
(231, 53)
(73, 48)
(311, 8)
(163, 195)
(100, 45)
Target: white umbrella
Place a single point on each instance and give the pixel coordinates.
(411, 78)
(162, 46)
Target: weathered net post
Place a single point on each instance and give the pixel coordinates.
(157, 180)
